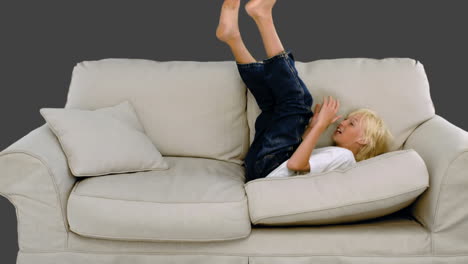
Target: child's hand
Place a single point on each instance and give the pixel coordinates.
(327, 114)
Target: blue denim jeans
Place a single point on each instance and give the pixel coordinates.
(285, 104)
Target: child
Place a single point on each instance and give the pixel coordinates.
(282, 145)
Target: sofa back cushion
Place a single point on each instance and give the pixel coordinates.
(396, 88)
(187, 108)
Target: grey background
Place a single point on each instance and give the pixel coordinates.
(41, 41)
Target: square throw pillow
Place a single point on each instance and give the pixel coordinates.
(103, 141)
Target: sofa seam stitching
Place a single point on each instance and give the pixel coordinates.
(160, 240)
(108, 198)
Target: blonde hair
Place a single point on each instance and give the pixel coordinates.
(375, 133)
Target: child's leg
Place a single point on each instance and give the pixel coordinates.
(228, 31)
(288, 89)
(293, 101)
(261, 12)
(251, 71)
(290, 92)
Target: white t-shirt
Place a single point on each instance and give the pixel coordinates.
(321, 160)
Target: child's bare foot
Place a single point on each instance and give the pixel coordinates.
(228, 28)
(259, 8)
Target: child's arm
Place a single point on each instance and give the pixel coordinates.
(325, 116)
(299, 161)
(307, 131)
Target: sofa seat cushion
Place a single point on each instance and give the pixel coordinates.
(371, 188)
(195, 200)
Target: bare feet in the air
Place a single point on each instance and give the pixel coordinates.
(228, 28)
(259, 8)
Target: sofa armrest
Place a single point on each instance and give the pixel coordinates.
(35, 178)
(443, 208)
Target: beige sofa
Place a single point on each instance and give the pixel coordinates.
(201, 117)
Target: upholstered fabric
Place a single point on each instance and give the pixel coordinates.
(202, 105)
(396, 88)
(195, 200)
(371, 188)
(80, 257)
(35, 178)
(188, 108)
(108, 140)
(443, 208)
(391, 235)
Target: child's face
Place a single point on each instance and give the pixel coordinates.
(351, 133)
